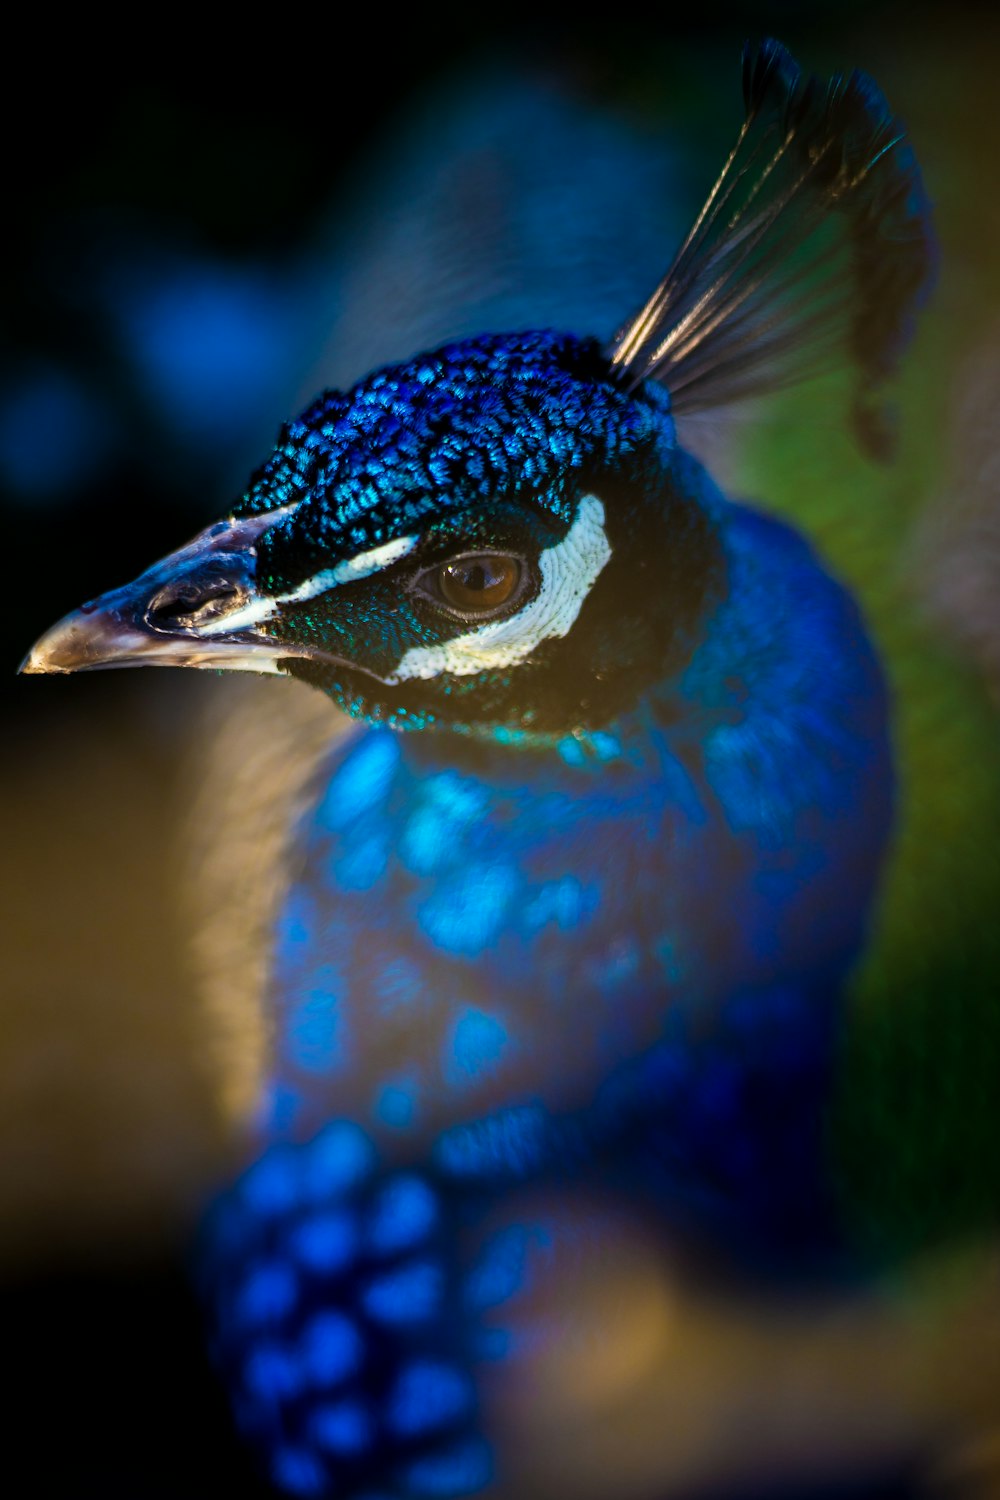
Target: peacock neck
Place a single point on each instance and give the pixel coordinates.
(782, 662)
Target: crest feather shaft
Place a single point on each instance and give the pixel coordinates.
(814, 242)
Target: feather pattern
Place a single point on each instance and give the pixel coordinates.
(814, 242)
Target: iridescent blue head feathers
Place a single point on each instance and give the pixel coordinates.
(502, 536)
(510, 466)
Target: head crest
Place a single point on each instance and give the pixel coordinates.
(814, 240)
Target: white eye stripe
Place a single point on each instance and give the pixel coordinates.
(362, 566)
(569, 571)
(355, 568)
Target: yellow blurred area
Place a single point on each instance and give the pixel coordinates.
(106, 1112)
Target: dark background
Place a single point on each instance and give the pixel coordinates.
(169, 190)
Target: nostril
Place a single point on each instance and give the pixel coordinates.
(189, 603)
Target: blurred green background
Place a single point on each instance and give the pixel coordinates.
(178, 208)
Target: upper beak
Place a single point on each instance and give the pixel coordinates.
(197, 608)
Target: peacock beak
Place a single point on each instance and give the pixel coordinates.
(196, 608)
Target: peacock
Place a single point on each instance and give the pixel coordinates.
(579, 1029)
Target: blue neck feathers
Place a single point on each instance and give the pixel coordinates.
(667, 894)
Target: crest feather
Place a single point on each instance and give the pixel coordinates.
(815, 240)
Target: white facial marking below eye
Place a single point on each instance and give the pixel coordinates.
(364, 565)
(569, 571)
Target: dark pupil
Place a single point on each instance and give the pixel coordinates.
(479, 583)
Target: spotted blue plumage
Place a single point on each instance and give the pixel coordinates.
(469, 913)
(576, 949)
(452, 927)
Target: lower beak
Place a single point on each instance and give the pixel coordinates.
(196, 608)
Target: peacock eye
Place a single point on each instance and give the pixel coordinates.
(480, 583)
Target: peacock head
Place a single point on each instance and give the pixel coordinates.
(490, 537)
(502, 536)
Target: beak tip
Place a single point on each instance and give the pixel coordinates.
(33, 664)
(68, 647)
(114, 630)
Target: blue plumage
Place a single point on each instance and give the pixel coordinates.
(449, 931)
(468, 903)
(582, 938)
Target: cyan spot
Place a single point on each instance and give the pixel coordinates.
(362, 862)
(560, 901)
(434, 831)
(606, 747)
(428, 1395)
(339, 1158)
(463, 799)
(404, 1212)
(331, 1348)
(272, 1374)
(395, 1104)
(461, 1470)
(427, 841)
(505, 735)
(326, 1242)
(315, 1038)
(410, 1294)
(343, 1427)
(267, 1295)
(362, 781)
(466, 914)
(572, 751)
(477, 1045)
(298, 1471)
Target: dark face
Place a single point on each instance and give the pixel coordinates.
(494, 537)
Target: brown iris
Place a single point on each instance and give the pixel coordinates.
(479, 583)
